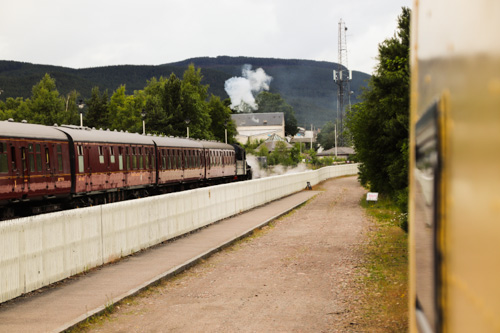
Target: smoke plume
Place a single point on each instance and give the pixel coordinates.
(258, 172)
(242, 90)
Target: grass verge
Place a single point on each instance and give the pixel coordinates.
(384, 273)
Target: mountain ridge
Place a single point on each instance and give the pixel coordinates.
(306, 85)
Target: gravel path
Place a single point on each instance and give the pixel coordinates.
(294, 276)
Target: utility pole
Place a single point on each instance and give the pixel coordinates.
(341, 76)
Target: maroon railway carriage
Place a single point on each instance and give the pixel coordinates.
(34, 165)
(109, 165)
(180, 161)
(82, 166)
(220, 160)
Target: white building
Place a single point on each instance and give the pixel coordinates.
(305, 136)
(257, 126)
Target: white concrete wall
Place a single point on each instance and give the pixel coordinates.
(39, 250)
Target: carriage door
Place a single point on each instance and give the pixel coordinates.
(82, 161)
(25, 176)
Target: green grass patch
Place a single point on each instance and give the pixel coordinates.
(384, 273)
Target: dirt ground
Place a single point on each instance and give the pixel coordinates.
(296, 275)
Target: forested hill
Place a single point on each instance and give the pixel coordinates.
(306, 85)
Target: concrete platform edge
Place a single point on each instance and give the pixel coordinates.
(176, 270)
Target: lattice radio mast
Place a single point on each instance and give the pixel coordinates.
(342, 76)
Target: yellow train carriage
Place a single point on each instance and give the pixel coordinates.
(455, 166)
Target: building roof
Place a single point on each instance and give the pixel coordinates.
(258, 119)
(340, 151)
(250, 133)
(271, 142)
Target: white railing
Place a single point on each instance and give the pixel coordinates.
(39, 250)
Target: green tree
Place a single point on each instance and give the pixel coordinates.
(156, 100)
(269, 102)
(379, 124)
(172, 102)
(194, 104)
(14, 108)
(46, 106)
(327, 136)
(221, 120)
(125, 111)
(97, 114)
(280, 154)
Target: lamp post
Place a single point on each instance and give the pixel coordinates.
(187, 125)
(143, 116)
(225, 130)
(81, 106)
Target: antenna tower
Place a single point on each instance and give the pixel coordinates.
(341, 76)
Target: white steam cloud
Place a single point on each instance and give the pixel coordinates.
(242, 90)
(258, 172)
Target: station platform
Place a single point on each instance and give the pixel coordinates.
(64, 304)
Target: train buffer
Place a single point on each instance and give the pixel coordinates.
(65, 304)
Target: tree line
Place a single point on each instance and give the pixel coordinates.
(379, 125)
(169, 106)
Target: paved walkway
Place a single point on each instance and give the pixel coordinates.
(65, 304)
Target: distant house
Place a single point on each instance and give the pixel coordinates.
(342, 152)
(271, 142)
(257, 126)
(305, 136)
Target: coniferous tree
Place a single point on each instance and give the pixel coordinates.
(97, 114)
(379, 124)
(221, 120)
(45, 105)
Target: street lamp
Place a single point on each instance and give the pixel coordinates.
(81, 106)
(225, 130)
(143, 116)
(187, 124)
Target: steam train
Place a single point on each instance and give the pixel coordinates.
(48, 168)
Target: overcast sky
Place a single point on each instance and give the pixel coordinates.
(92, 33)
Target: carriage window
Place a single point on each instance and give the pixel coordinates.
(47, 158)
(166, 156)
(23, 159)
(101, 155)
(13, 158)
(38, 157)
(31, 158)
(140, 159)
(426, 222)
(153, 158)
(127, 157)
(134, 159)
(59, 157)
(81, 165)
(146, 162)
(4, 165)
(120, 158)
(112, 154)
